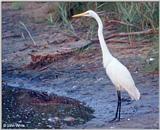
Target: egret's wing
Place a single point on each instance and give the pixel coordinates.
(122, 79)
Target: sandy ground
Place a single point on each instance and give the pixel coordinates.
(74, 70)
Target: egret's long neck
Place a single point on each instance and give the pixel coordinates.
(107, 56)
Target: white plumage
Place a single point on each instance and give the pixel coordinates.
(116, 71)
(121, 78)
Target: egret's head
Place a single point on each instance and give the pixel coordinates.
(91, 13)
(88, 13)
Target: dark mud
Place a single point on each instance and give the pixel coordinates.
(95, 89)
(35, 96)
(32, 109)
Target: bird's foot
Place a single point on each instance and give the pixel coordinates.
(114, 120)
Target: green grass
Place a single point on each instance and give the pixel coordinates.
(151, 66)
(144, 15)
(50, 20)
(17, 5)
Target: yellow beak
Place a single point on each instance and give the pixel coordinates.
(79, 15)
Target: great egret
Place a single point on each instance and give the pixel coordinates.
(116, 71)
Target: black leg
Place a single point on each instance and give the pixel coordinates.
(119, 100)
(118, 107)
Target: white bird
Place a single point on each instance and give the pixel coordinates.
(116, 71)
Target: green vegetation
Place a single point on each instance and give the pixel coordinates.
(63, 16)
(17, 5)
(152, 60)
(50, 19)
(143, 15)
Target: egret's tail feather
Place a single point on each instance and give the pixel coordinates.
(134, 94)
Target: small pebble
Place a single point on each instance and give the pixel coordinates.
(74, 87)
(51, 119)
(49, 126)
(151, 59)
(43, 113)
(20, 121)
(43, 119)
(69, 119)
